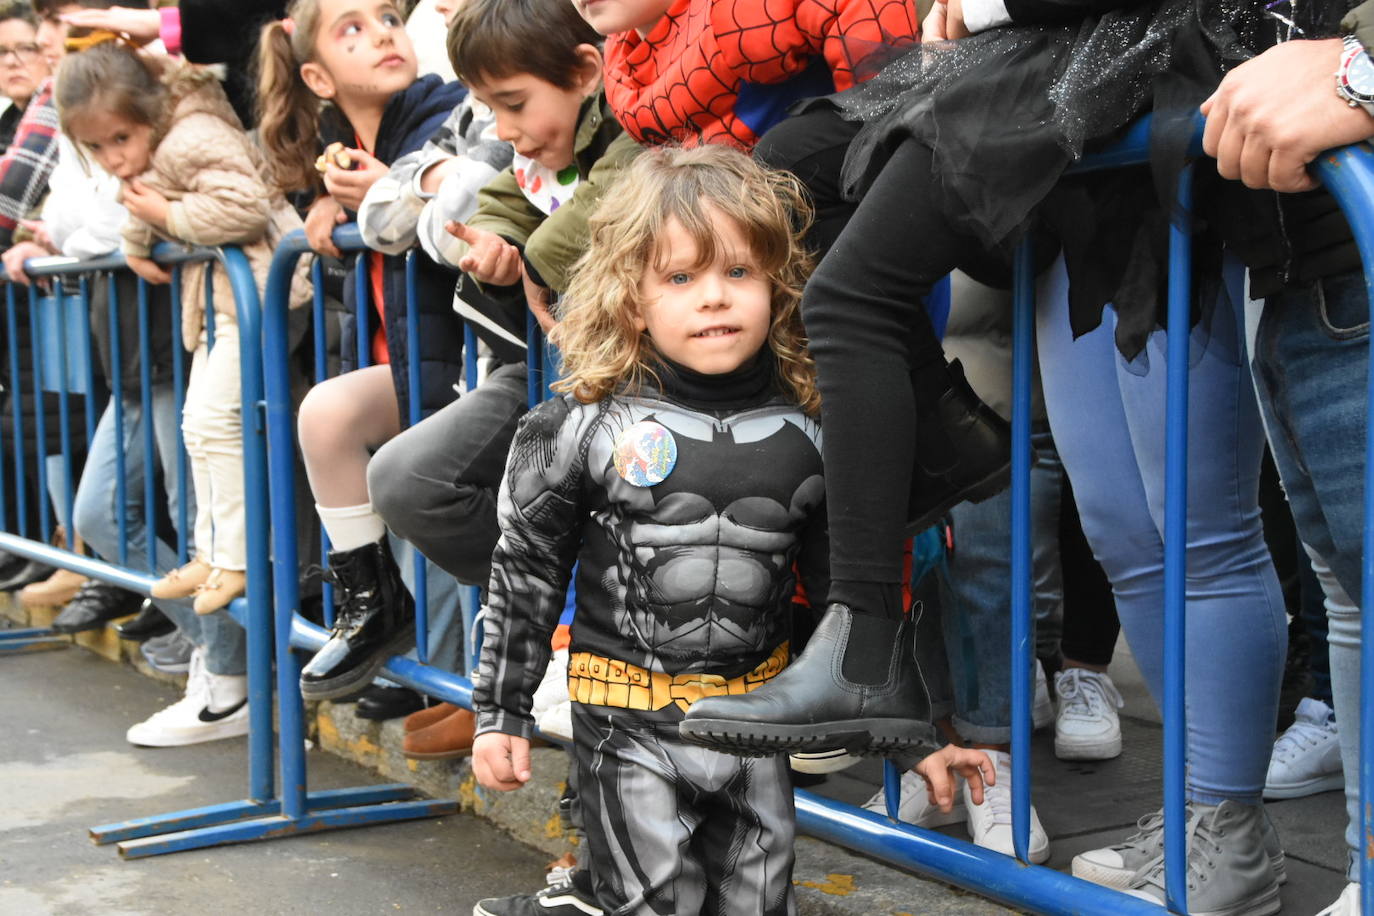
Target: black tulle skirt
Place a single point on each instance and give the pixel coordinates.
(1008, 110)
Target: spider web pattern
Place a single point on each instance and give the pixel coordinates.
(681, 83)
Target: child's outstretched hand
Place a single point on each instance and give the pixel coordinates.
(145, 203)
(324, 214)
(490, 258)
(938, 769)
(500, 761)
(349, 186)
(148, 270)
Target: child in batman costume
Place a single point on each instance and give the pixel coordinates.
(681, 473)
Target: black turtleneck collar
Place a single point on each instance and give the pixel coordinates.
(747, 386)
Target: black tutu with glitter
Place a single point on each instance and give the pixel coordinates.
(1008, 110)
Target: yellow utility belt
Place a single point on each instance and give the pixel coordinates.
(600, 681)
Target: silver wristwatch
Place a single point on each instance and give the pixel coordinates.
(1355, 76)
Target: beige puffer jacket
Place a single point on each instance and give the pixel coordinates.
(214, 177)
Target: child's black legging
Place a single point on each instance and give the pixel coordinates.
(872, 341)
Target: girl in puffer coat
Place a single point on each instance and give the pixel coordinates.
(190, 174)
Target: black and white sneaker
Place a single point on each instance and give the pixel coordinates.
(570, 897)
(215, 707)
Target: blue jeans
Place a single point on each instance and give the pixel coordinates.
(97, 517)
(1310, 361)
(449, 616)
(1107, 417)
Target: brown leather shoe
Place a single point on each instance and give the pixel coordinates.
(449, 737)
(183, 582)
(54, 591)
(221, 587)
(428, 716)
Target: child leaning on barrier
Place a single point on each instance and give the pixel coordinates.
(189, 174)
(344, 71)
(681, 472)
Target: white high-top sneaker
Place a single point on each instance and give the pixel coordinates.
(1307, 757)
(915, 807)
(989, 824)
(1347, 904)
(215, 706)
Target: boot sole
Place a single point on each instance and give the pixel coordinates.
(1307, 787)
(978, 492)
(861, 737)
(1088, 750)
(1120, 878)
(361, 676)
(436, 755)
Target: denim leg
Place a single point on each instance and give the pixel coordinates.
(1311, 362)
(1047, 572)
(447, 629)
(1107, 418)
(97, 508)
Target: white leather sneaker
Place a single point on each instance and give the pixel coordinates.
(215, 706)
(989, 824)
(915, 807)
(1307, 757)
(1087, 727)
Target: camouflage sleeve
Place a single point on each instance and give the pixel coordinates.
(541, 516)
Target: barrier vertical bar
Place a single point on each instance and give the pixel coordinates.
(84, 285)
(415, 412)
(1022, 643)
(362, 281)
(145, 400)
(21, 500)
(534, 360)
(183, 471)
(1175, 549)
(117, 400)
(40, 421)
(321, 372)
(64, 420)
(469, 357)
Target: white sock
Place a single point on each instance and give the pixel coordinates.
(351, 527)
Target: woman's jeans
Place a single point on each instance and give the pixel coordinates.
(1107, 417)
(1310, 361)
(97, 513)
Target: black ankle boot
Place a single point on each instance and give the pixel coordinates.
(867, 698)
(374, 621)
(149, 624)
(963, 449)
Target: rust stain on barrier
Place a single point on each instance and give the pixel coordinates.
(835, 884)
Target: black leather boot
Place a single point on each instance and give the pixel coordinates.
(95, 604)
(963, 449)
(149, 624)
(375, 619)
(867, 698)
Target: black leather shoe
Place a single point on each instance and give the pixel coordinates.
(374, 621)
(95, 604)
(10, 563)
(381, 703)
(27, 573)
(963, 452)
(867, 697)
(149, 623)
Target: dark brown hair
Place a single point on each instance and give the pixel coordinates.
(111, 77)
(288, 112)
(493, 39)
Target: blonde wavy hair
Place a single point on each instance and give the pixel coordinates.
(602, 350)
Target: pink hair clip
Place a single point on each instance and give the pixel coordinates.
(288, 25)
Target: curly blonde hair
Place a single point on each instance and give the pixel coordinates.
(602, 350)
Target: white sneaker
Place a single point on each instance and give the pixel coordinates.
(989, 824)
(1307, 757)
(215, 706)
(1042, 708)
(1087, 727)
(1347, 904)
(915, 807)
(822, 762)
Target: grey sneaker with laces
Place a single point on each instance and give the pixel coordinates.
(1115, 866)
(1229, 871)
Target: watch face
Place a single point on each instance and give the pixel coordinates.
(1360, 75)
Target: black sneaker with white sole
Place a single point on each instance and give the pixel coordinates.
(572, 897)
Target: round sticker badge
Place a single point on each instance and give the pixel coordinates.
(645, 453)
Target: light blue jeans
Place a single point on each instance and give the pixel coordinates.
(1310, 361)
(1107, 417)
(97, 514)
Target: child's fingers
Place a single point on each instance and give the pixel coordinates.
(461, 231)
(520, 760)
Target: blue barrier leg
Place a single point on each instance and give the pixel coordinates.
(1022, 641)
(117, 402)
(64, 424)
(416, 412)
(1175, 553)
(145, 397)
(21, 500)
(183, 471)
(39, 420)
